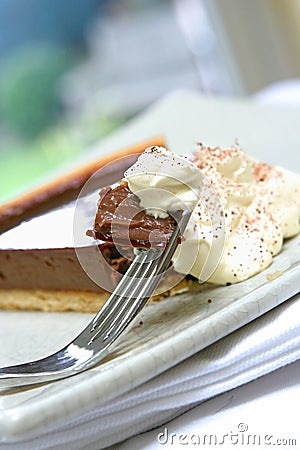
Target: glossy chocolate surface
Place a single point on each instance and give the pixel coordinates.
(121, 219)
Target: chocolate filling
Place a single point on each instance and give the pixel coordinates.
(121, 219)
(59, 268)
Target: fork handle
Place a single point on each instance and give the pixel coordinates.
(104, 331)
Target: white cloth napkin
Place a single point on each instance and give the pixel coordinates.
(264, 345)
(256, 415)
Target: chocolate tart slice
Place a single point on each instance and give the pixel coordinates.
(50, 277)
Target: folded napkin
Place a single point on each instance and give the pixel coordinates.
(258, 413)
(262, 346)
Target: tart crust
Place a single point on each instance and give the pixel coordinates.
(63, 301)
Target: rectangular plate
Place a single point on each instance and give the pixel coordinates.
(199, 318)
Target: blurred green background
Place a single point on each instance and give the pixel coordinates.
(40, 42)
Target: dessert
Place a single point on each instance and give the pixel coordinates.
(139, 210)
(147, 217)
(40, 269)
(258, 204)
(247, 208)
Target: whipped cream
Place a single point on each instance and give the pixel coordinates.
(261, 206)
(164, 181)
(246, 209)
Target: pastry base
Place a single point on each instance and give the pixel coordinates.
(63, 301)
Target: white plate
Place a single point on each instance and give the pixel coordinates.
(199, 318)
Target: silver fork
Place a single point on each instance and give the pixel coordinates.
(105, 330)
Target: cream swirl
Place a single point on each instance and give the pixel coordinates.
(164, 181)
(261, 206)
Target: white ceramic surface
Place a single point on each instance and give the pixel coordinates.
(174, 328)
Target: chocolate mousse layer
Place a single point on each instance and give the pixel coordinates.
(59, 268)
(121, 219)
